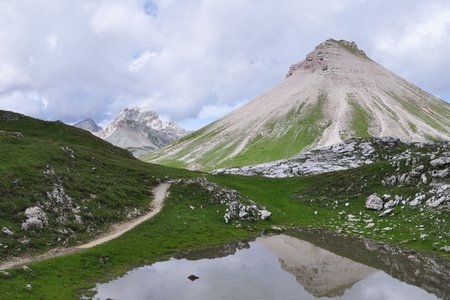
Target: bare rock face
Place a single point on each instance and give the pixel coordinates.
(374, 202)
(88, 125)
(140, 130)
(322, 54)
(36, 218)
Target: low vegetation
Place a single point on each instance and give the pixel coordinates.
(110, 184)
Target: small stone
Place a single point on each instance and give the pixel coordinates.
(424, 178)
(265, 214)
(28, 286)
(193, 277)
(386, 212)
(446, 249)
(374, 202)
(26, 268)
(5, 273)
(370, 225)
(6, 231)
(276, 228)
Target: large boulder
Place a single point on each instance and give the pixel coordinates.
(374, 202)
(440, 162)
(36, 218)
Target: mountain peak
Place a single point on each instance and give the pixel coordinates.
(141, 130)
(329, 55)
(335, 94)
(88, 125)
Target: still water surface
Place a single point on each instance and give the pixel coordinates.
(274, 267)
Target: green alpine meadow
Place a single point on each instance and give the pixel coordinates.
(166, 150)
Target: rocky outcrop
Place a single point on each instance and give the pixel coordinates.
(356, 153)
(317, 60)
(238, 206)
(36, 218)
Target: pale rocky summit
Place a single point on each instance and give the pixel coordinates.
(88, 125)
(141, 130)
(335, 94)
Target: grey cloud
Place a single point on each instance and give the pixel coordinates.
(71, 60)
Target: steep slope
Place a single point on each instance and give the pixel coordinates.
(335, 94)
(61, 186)
(140, 131)
(88, 125)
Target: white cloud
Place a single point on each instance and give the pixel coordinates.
(193, 60)
(52, 41)
(139, 62)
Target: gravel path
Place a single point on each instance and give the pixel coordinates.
(160, 193)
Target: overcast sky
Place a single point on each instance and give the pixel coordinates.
(194, 60)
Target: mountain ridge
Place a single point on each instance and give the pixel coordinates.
(139, 130)
(335, 94)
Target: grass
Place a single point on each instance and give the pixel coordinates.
(121, 182)
(104, 182)
(354, 51)
(319, 201)
(360, 118)
(433, 119)
(288, 136)
(325, 201)
(285, 137)
(176, 228)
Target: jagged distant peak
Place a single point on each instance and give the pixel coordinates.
(143, 116)
(141, 130)
(88, 125)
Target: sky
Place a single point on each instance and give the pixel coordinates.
(192, 61)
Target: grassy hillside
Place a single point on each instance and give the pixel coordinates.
(282, 137)
(105, 184)
(320, 201)
(80, 182)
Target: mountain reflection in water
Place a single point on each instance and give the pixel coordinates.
(274, 267)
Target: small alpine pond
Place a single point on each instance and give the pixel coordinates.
(307, 264)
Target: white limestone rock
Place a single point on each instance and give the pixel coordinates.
(374, 202)
(36, 218)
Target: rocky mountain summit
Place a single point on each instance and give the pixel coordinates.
(88, 125)
(335, 94)
(141, 130)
